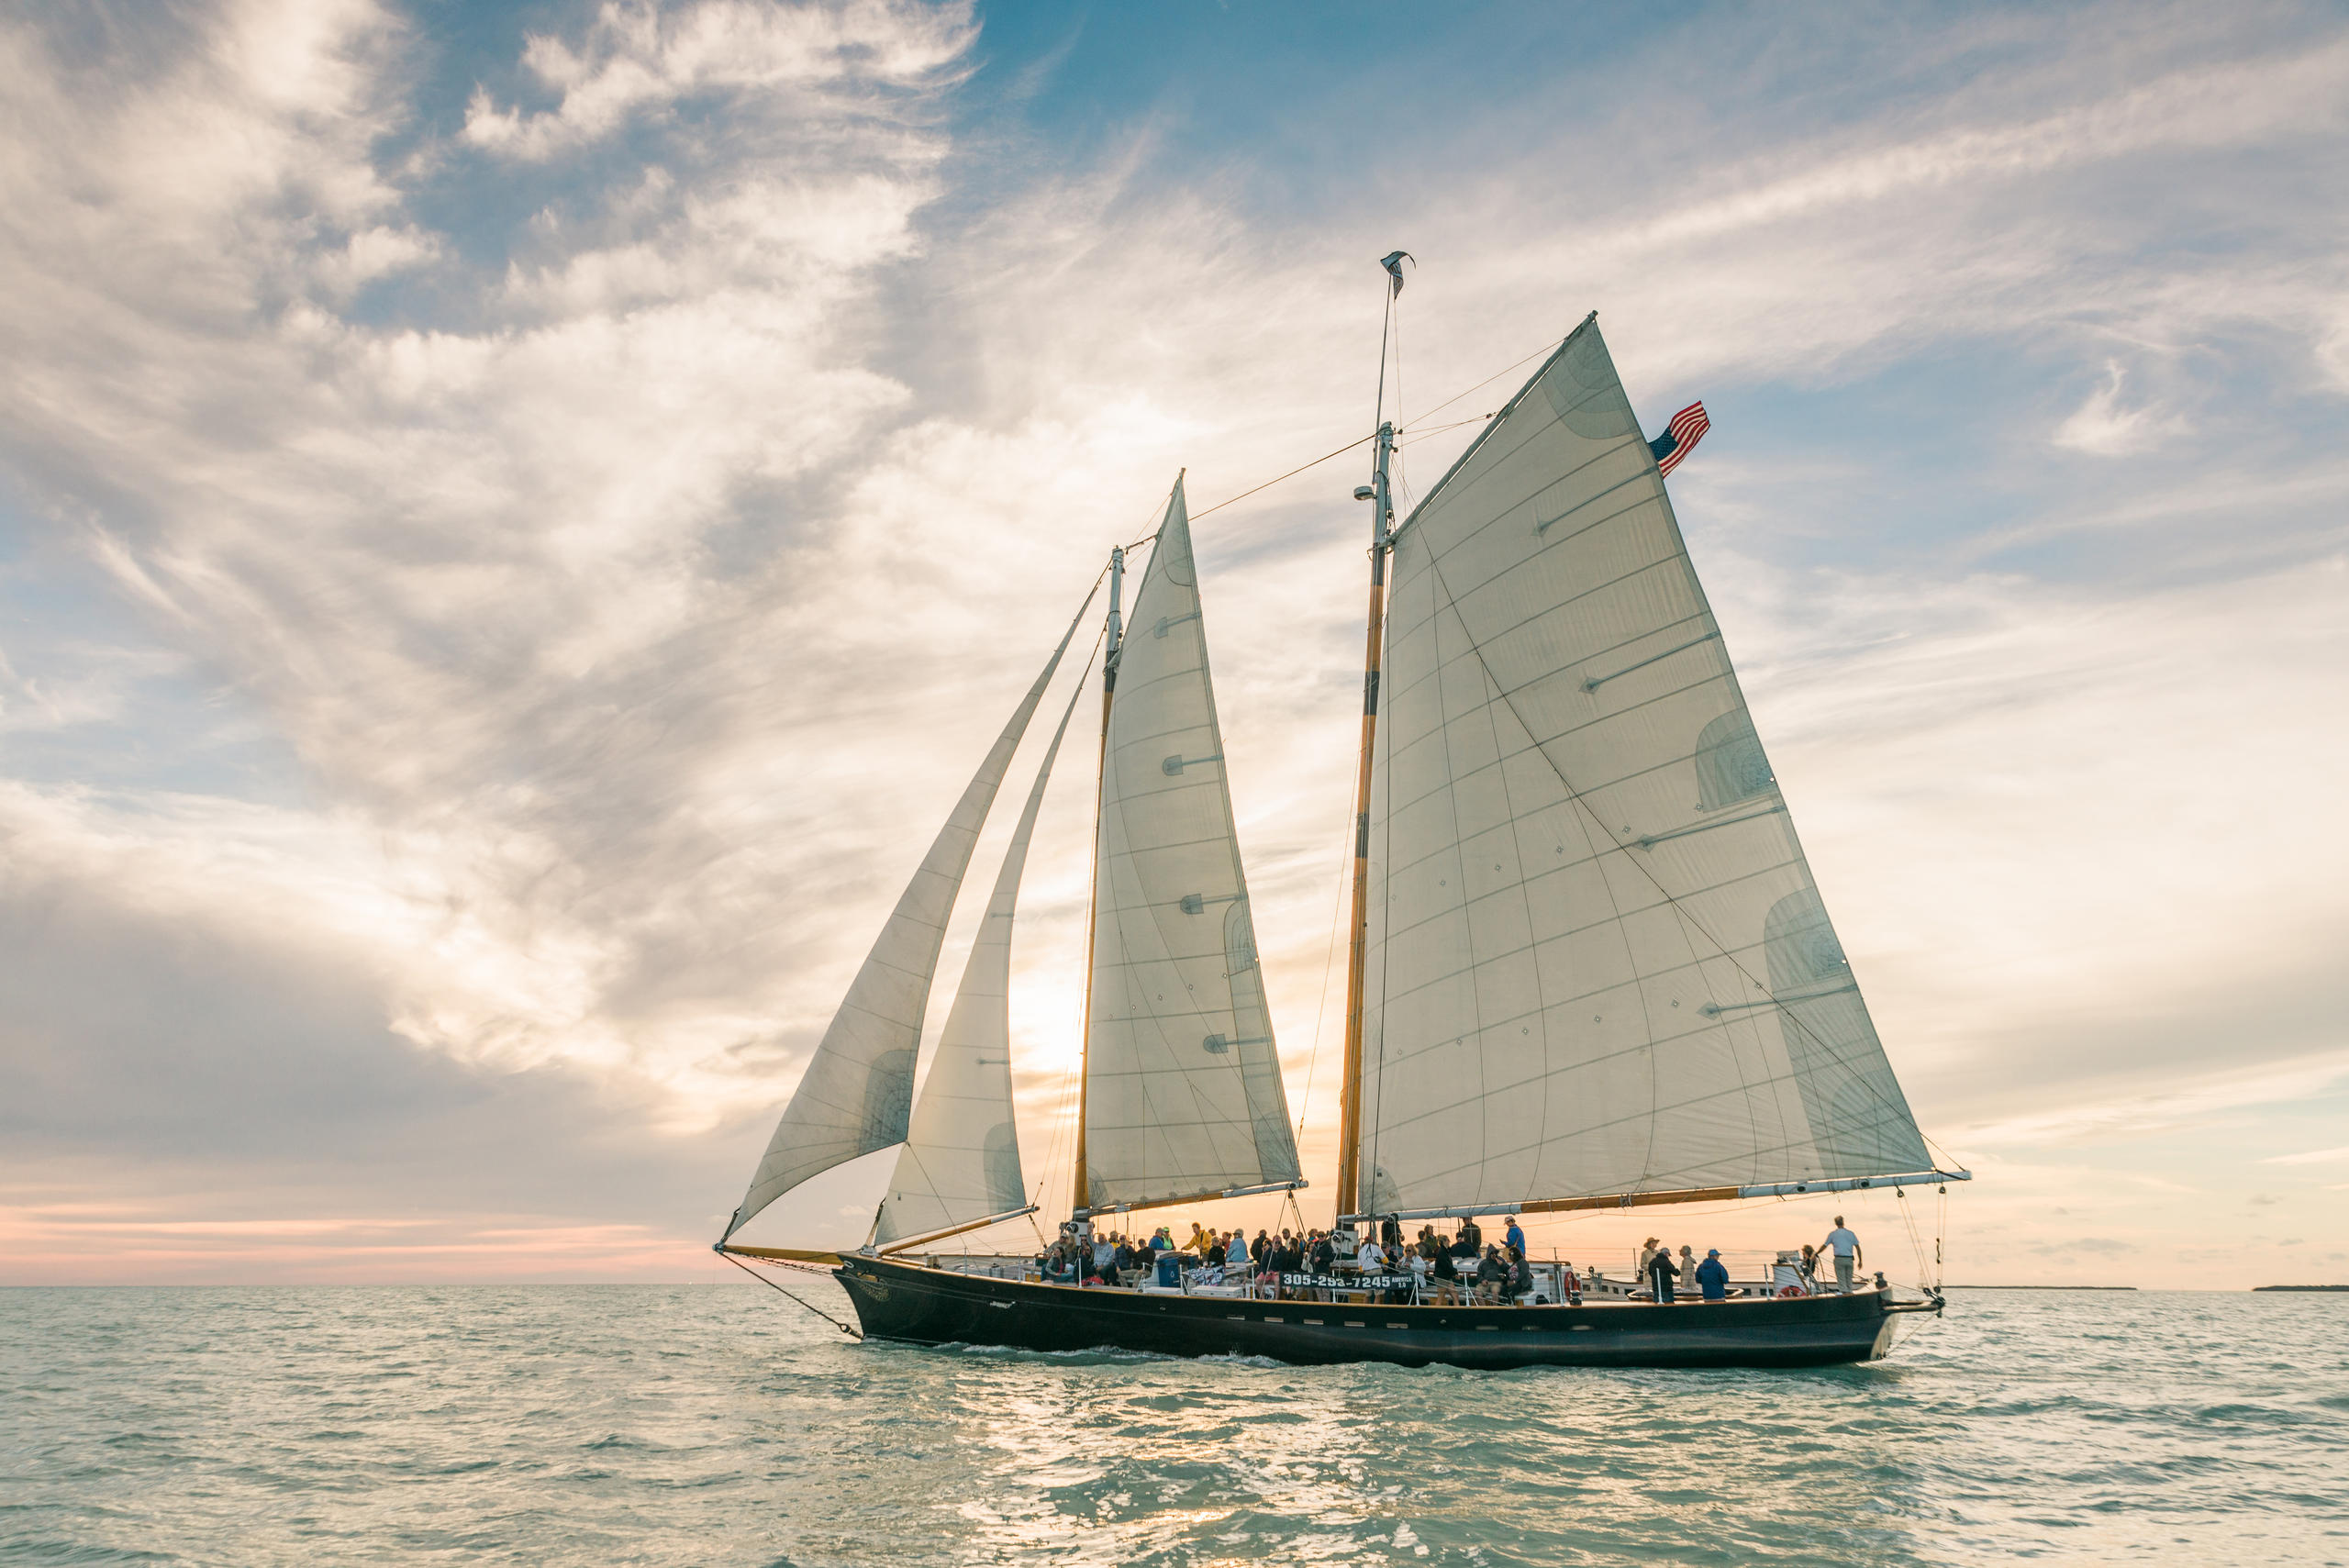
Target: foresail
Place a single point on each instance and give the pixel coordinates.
(1600, 963)
(1183, 1084)
(960, 1162)
(858, 1090)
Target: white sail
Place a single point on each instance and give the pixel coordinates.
(1600, 963)
(859, 1086)
(960, 1161)
(1182, 1092)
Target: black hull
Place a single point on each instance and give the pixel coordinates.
(937, 1307)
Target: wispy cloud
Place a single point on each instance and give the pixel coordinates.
(2104, 426)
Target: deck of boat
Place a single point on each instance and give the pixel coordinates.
(912, 1302)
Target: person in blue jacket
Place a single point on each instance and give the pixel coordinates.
(1712, 1277)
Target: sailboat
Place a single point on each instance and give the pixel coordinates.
(1588, 967)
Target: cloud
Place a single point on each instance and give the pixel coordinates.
(2098, 1246)
(603, 520)
(2103, 426)
(2313, 1157)
(820, 63)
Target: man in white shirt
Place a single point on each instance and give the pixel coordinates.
(1847, 1248)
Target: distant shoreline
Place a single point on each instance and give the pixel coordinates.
(2100, 1288)
(2320, 1288)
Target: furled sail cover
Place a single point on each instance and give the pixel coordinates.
(960, 1162)
(1599, 962)
(1182, 1086)
(859, 1088)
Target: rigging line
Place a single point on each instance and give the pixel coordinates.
(1402, 469)
(1417, 434)
(772, 1285)
(1549, 346)
(1292, 473)
(1916, 1242)
(1350, 445)
(1159, 511)
(1940, 1230)
(1329, 966)
(1385, 322)
(1060, 1124)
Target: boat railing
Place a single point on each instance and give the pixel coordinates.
(1751, 1276)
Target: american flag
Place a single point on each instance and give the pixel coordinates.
(1680, 436)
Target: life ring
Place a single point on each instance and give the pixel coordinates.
(1785, 1291)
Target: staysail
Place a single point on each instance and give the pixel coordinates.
(1182, 1092)
(1598, 963)
(960, 1165)
(858, 1090)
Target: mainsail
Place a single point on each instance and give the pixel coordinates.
(858, 1090)
(960, 1166)
(1183, 1096)
(1598, 963)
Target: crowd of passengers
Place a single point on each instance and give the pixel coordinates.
(1459, 1268)
(1456, 1269)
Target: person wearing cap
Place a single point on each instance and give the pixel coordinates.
(1712, 1276)
(1515, 1238)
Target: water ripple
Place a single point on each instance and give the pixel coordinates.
(712, 1426)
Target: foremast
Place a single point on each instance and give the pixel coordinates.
(1110, 641)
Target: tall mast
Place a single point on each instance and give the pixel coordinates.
(1078, 1204)
(1382, 522)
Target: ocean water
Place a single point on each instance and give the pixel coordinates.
(719, 1424)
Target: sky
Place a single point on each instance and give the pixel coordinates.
(517, 520)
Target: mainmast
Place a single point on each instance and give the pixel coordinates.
(1078, 1203)
(1382, 521)
(1382, 527)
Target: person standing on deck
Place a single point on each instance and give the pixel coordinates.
(1712, 1277)
(1689, 1266)
(1513, 1237)
(1661, 1274)
(1847, 1248)
(1446, 1273)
